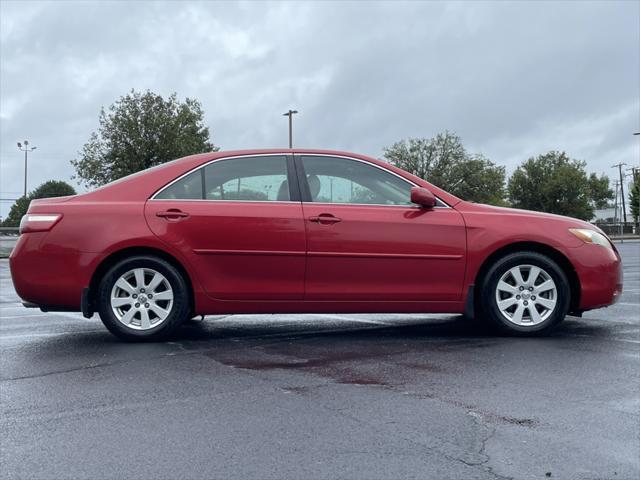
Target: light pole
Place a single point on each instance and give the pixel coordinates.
(290, 114)
(26, 149)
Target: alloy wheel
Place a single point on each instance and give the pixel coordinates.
(141, 299)
(526, 295)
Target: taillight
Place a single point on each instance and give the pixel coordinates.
(39, 222)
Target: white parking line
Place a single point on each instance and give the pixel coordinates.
(610, 339)
(351, 319)
(12, 317)
(32, 335)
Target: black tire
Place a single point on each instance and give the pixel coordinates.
(487, 303)
(179, 312)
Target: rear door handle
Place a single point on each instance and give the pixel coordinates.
(172, 214)
(325, 219)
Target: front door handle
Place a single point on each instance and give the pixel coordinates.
(173, 214)
(325, 219)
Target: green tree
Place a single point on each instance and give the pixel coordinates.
(52, 188)
(141, 130)
(601, 193)
(634, 200)
(443, 161)
(555, 183)
(480, 180)
(18, 209)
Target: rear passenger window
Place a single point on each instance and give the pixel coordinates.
(247, 179)
(262, 178)
(187, 188)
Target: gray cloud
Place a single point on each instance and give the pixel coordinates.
(513, 79)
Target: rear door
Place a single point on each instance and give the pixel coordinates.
(239, 223)
(367, 242)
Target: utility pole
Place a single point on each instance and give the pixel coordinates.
(635, 170)
(290, 114)
(26, 149)
(624, 207)
(615, 212)
(615, 204)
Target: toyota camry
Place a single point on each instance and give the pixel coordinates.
(302, 231)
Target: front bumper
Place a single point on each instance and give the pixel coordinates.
(599, 271)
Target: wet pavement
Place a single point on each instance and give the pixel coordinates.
(322, 396)
(6, 244)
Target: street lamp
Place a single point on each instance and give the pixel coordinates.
(26, 151)
(290, 114)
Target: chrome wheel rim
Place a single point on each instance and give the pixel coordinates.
(526, 295)
(141, 299)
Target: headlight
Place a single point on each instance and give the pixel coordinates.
(591, 236)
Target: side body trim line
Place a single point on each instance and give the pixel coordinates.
(209, 251)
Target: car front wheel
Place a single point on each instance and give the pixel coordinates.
(143, 298)
(525, 293)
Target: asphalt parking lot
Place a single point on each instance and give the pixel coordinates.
(322, 396)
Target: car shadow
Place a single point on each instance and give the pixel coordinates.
(262, 326)
(443, 332)
(446, 326)
(347, 352)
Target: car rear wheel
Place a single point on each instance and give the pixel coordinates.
(143, 298)
(525, 293)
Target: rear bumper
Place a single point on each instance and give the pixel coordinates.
(51, 279)
(599, 271)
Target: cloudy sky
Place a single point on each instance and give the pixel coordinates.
(513, 79)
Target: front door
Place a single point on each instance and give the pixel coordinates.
(239, 223)
(367, 242)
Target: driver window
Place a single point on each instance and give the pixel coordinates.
(340, 180)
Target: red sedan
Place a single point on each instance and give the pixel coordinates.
(304, 231)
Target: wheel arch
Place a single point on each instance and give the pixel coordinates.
(563, 262)
(88, 306)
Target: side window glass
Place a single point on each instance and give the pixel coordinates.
(340, 180)
(248, 178)
(187, 188)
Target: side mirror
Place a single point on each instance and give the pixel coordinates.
(423, 197)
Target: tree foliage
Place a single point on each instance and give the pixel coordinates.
(444, 162)
(601, 193)
(141, 130)
(555, 183)
(52, 188)
(479, 180)
(634, 200)
(17, 211)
